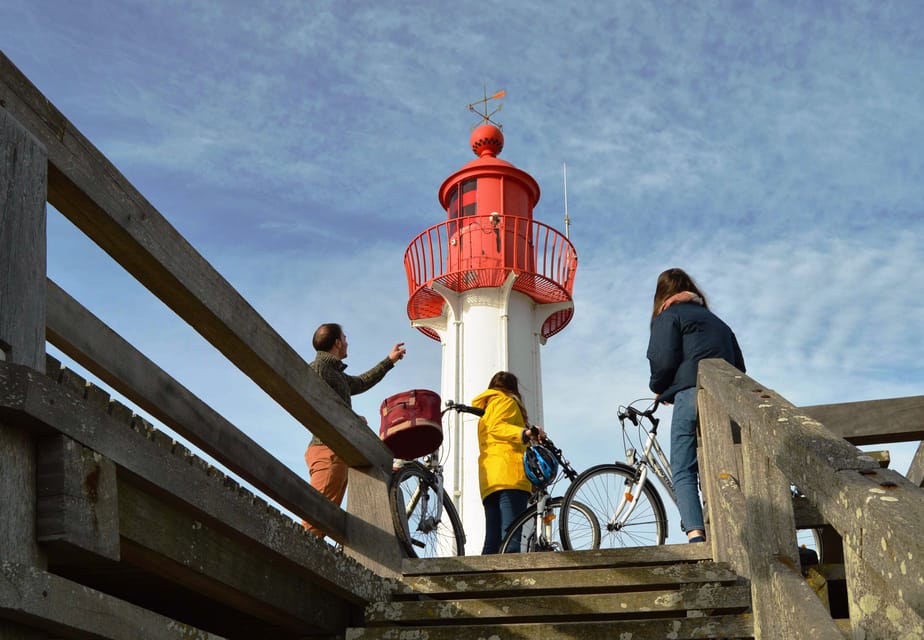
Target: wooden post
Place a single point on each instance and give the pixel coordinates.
(23, 171)
(720, 476)
(77, 507)
(23, 183)
(877, 609)
(916, 470)
(371, 522)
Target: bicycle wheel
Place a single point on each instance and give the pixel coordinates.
(521, 536)
(600, 489)
(423, 528)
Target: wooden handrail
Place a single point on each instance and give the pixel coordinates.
(878, 512)
(96, 347)
(87, 189)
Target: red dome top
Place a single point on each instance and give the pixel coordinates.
(487, 140)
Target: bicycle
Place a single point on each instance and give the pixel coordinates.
(622, 495)
(425, 518)
(532, 530)
(627, 506)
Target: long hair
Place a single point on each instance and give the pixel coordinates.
(507, 382)
(671, 282)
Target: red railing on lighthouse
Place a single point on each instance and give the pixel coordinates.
(474, 252)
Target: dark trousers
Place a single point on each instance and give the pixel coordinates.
(500, 509)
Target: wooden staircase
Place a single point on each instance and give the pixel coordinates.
(671, 591)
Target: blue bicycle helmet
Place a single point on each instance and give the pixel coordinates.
(540, 465)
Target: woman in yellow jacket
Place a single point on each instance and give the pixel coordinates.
(502, 438)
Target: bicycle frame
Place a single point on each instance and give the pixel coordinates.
(544, 517)
(415, 485)
(544, 513)
(652, 457)
(432, 463)
(427, 525)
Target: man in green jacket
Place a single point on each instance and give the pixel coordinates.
(328, 471)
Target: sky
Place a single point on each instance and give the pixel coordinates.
(774, 150)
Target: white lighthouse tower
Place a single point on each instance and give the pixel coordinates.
(491, 285)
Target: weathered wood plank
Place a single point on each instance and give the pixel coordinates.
(730, 537)
(731, 626)
(85, 187)
(17, 496)
(570, 607)
(66, 609)
(22, 318)
(81, 335)
(625, 556)
(563, 581)
(77, 503)
(33, 401)
(873, 421)
(721, 465)
(770, 528)
(193, 555)
(23, 162)
(370, 528)
(916, 469)
(876, 609)
(791, 608)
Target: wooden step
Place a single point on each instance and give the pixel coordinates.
(595, 580)
(626, 557)
(668, 591)
(729, 627)
(572, 607)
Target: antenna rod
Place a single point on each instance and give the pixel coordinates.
(564, 170)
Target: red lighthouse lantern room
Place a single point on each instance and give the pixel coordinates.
(488, 234)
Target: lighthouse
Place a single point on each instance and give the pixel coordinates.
(491, 284)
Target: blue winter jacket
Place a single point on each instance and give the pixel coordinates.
(681, 336)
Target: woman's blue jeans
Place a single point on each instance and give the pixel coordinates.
(684, 466)
(500, 509)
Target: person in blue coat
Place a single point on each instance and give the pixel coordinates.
(683, 332)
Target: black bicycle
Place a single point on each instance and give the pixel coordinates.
(533, 529)
(425, 518)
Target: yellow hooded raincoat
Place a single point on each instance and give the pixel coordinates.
(500, 443)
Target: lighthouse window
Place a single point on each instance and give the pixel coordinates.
(466, 192)
(469, 190)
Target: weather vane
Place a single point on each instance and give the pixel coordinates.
(482, 110)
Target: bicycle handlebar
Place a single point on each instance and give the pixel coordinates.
(634, 414)
(544, 441)
(463, 408)
(566, 467)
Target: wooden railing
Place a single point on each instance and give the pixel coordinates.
(755, 446)
(88, 190)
